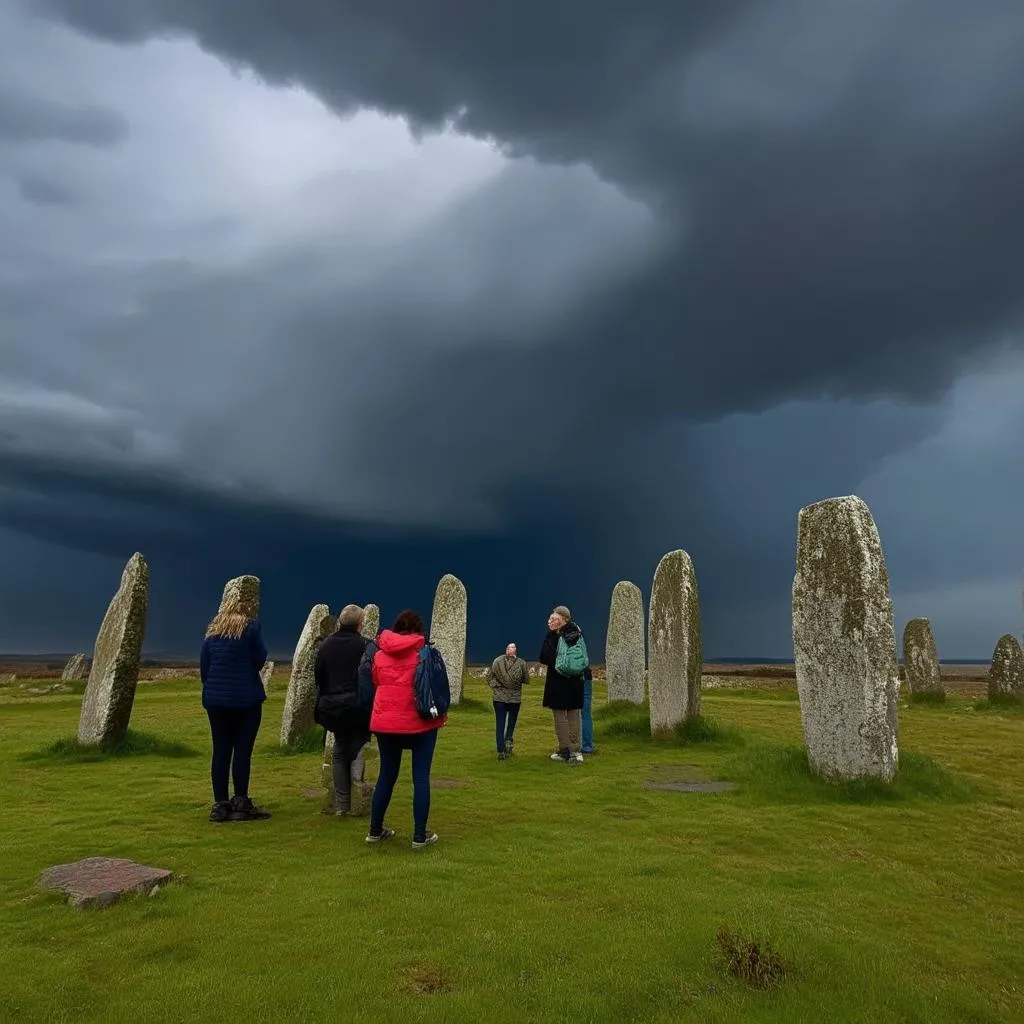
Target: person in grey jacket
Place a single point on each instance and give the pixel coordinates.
(506, 676)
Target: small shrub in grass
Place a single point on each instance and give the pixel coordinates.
(311, 741)
(132, 744)
(753, 961)
(929, 698)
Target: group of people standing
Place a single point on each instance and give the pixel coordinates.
(367, 687)
(570, 698)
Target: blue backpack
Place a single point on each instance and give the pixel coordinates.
(430, 684)
(364, 678)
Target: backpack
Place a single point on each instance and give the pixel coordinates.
(364, 678)
(430, 684)
(572, 660)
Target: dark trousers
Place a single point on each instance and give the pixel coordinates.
(390, 747)
(347, 764)
(505, 715)
(234, 735)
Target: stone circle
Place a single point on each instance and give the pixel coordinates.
(625, 656)
(920, 659)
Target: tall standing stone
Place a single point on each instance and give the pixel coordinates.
(448, 629)
(76, 668)
(110, 692)
(265, 673)
(245, 590)
(844, 643)
(371, 622)
(625, 659)
(1006, 673)
(300, 699)
(675, 657)
(920, 659)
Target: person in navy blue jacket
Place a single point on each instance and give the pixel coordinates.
(229, 665)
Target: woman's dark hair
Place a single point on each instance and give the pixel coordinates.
(408, 622)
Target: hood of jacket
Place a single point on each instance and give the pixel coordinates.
(397, 644)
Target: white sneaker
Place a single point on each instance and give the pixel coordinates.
(556, 756)
(578, 757)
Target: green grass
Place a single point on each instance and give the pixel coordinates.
(556, 892)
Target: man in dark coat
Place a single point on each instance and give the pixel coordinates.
(337, 703)
(563, 695)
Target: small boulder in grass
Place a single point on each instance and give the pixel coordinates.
(102, 881)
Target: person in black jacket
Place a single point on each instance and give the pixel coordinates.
(564, 696)
(232, 655)
(337, 704)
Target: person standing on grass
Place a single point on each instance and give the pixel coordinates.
(232, 655)
(587, 713)
(506, 677)
(563, 694)
(399, 726)
(338, 708)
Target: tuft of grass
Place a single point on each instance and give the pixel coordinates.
(783, 773)
(929, 698)
(624, 720)
(68, 750)
(424, 980)
(1000, 702)
(309, 742)
(753, 961)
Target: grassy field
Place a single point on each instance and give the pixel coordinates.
(556, 893)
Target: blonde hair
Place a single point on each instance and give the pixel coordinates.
(230, 621)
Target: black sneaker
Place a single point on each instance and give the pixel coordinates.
(221, 811)
(243, 809)
(385, 833)
(428, 840)
(502, 755)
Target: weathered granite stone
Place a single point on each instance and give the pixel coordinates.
(920, 659)
(265, 673)
(625, 658)
(110, 692)
(844, 643)
(362, 789)
(1006, 673)
(448, 630)
(674, 643)
(371, 622)
(245, 590)
(76, 668)
(101, 881)
(300, 699)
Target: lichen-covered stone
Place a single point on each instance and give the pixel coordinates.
(110, 692)
(101, 881)
(844, 643)
(448, 629)
(371, 622)
(625, 657)
(265, 673)
(920, 659)
(76, 668)
(245, 590)
(1006, 673)
(675, 657)
(300, 699)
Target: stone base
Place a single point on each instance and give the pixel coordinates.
(101, 881)
(362, 794)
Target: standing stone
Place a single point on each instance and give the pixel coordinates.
(300, 699)
(245, 590)
(371, 622)
(76, 668)
(110, 692)
(448, 630)
(1006, 673)
(674, 643)
(625, 660)
(920, 660)
(265, 673)
(844, 643)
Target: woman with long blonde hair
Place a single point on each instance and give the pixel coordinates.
(229, 664)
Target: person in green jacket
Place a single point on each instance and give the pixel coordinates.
(506, 677)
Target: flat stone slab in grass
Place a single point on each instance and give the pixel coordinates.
(692, 787)
(101, 881)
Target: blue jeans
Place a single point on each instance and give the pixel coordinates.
(390, 746)
(505, 715)
(234, 735)
(587, 718)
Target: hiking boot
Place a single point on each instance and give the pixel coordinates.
(220, 811)
(428, 840)
(385, 833)
(243, 809)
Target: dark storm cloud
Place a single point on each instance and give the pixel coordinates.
(26, 118)
(34, 188)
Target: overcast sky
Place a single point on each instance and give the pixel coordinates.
(351, 294)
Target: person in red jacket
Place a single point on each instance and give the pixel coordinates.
(398, 726)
